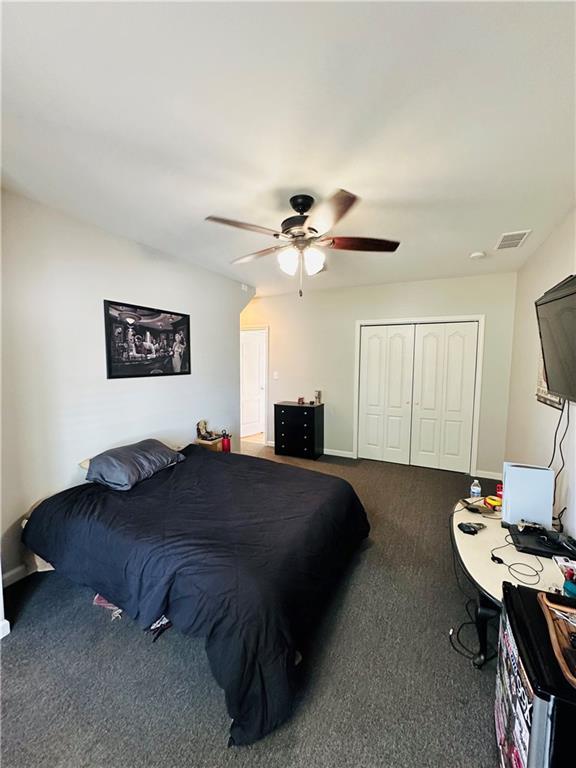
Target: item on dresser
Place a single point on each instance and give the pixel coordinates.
(298, 430)
(300, 401)
(318, 397)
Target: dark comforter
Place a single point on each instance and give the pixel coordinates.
(232, 548)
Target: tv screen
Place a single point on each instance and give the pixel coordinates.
(556, 312)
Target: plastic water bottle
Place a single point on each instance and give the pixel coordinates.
(475, 490)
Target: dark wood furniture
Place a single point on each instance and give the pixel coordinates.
(299, 430)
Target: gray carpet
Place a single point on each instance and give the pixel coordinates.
(384, 687)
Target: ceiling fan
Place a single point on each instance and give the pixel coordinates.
(302, 236)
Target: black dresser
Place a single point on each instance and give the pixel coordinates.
(299, 430)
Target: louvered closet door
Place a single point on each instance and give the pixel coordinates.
(386, 357)
(444, 381)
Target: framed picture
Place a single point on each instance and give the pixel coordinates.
(143, 341)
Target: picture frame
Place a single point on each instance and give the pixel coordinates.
(144, 342)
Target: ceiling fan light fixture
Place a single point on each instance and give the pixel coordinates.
(288, 259)
(314, 260)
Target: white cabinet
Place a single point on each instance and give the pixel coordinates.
(417, 386)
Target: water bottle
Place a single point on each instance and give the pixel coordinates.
(225, 441)
(475, 490)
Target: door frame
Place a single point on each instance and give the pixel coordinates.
(480, 319)
(266, 329)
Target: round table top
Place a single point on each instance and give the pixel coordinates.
(474, 554)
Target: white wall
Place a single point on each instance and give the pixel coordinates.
(531, 424)
(58, 406)
(312, 346)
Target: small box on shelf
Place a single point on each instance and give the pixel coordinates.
(211, 445)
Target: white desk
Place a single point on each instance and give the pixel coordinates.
(473, 553)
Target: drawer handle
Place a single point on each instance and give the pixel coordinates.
(305, 437)
(305, 413)
(305, 449)
(282, 422)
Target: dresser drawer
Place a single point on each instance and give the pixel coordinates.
(293, 448)
(293, 425)
(298, 415)
(294, 432)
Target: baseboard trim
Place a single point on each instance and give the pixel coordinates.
(14, 575)
(327, 451)
(4, 628)
(488, 475)
(341, 454)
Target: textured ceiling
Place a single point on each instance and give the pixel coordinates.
(453, 122)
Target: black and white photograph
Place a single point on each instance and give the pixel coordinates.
(143, 341)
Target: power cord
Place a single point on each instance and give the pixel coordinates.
(464, 504)
(556, 433)
(558, 518)
(562, 452)
(459, 645)
(456, 641)
(514, 569)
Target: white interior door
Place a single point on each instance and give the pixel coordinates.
(386, 359)
(253, 373)
(443, 407)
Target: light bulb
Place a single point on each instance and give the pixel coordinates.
(288, 260)
(314, 261)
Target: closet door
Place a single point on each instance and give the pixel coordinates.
(444, 381)
(386, 359)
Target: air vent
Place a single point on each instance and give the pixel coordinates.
(512, 239)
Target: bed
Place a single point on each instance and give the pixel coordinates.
(242, 551)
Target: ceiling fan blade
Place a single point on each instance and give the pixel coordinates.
(257, 254)
(244, 225)
(359, 244)
(328, 213)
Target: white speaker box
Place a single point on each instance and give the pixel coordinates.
(528, 494)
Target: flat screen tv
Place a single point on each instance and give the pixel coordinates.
(556, 312)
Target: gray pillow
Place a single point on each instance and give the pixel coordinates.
(121, 468)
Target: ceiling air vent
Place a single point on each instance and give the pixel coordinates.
(512, 239)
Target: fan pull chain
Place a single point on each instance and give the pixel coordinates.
(301, 264)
